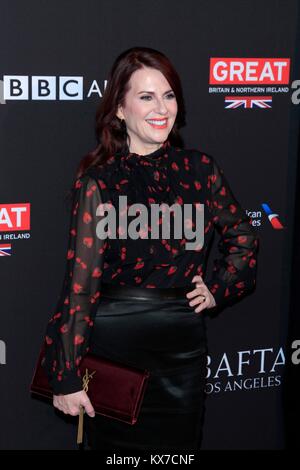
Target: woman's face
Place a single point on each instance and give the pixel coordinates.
(150, 97)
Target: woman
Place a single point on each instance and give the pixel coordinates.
(141, 301)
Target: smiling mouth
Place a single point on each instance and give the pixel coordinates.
(158, 123)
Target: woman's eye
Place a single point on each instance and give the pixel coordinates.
(169, 96)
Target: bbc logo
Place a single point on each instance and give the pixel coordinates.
(22, 87)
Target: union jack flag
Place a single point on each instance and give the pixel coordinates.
(248, 102)
(5, 249)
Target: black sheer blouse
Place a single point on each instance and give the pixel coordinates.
(169, 175)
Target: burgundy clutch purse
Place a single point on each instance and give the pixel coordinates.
(115, 390)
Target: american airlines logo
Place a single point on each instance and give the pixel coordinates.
(257, 217)
(48, 88)
(272, 216)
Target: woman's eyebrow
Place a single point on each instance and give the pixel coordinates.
(152, 92)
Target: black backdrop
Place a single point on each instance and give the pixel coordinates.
(42, 141)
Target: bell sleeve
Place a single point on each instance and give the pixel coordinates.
(234, 273)
(68, 331)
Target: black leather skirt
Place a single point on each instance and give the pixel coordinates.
(165, 336)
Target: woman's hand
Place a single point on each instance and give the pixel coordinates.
(70, 404)
(201, 295)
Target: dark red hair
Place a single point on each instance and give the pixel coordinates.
(111, 132)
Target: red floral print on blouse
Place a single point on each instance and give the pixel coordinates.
(169, 175)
